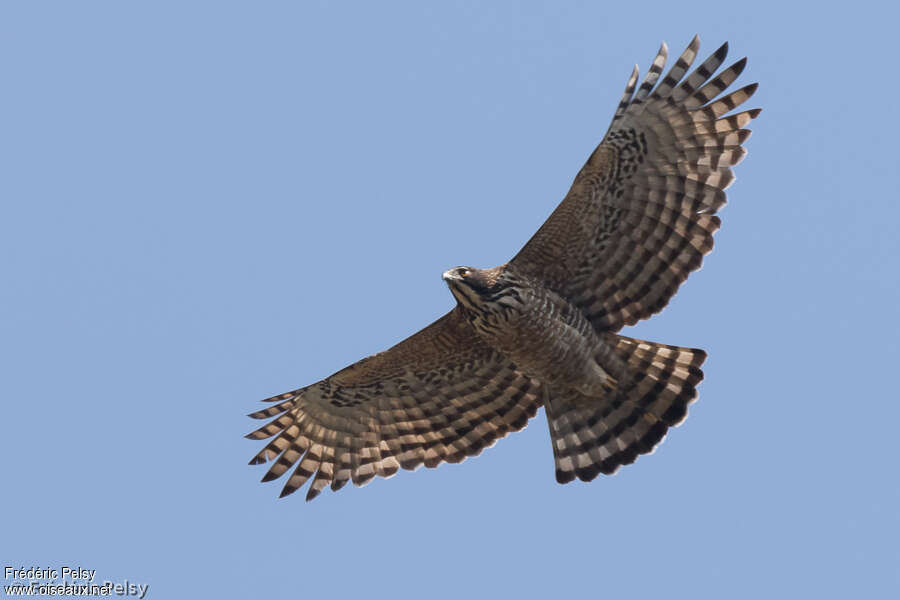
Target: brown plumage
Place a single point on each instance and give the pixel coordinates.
(541, 329)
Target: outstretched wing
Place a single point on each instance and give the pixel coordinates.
(440, 395)
(640, 215)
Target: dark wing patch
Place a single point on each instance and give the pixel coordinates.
(439, 396)
(640, 215)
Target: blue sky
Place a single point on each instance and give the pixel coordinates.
(207, 203)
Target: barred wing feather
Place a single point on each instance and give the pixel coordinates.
(439, 396)
(640, 215)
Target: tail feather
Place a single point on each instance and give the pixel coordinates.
(593, 435)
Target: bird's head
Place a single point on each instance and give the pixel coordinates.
(471, 286)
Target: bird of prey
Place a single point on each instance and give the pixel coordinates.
(540, 330)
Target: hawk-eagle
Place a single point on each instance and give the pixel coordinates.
(540, 330)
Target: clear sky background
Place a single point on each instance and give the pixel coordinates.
(208, 203)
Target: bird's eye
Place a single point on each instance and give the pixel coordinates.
(463, 272)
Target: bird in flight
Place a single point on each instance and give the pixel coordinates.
(540, 330)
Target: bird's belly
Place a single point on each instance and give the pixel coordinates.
(552, 341)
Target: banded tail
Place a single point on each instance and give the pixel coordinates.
(593, 435)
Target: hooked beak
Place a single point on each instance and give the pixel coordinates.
(450, 275)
